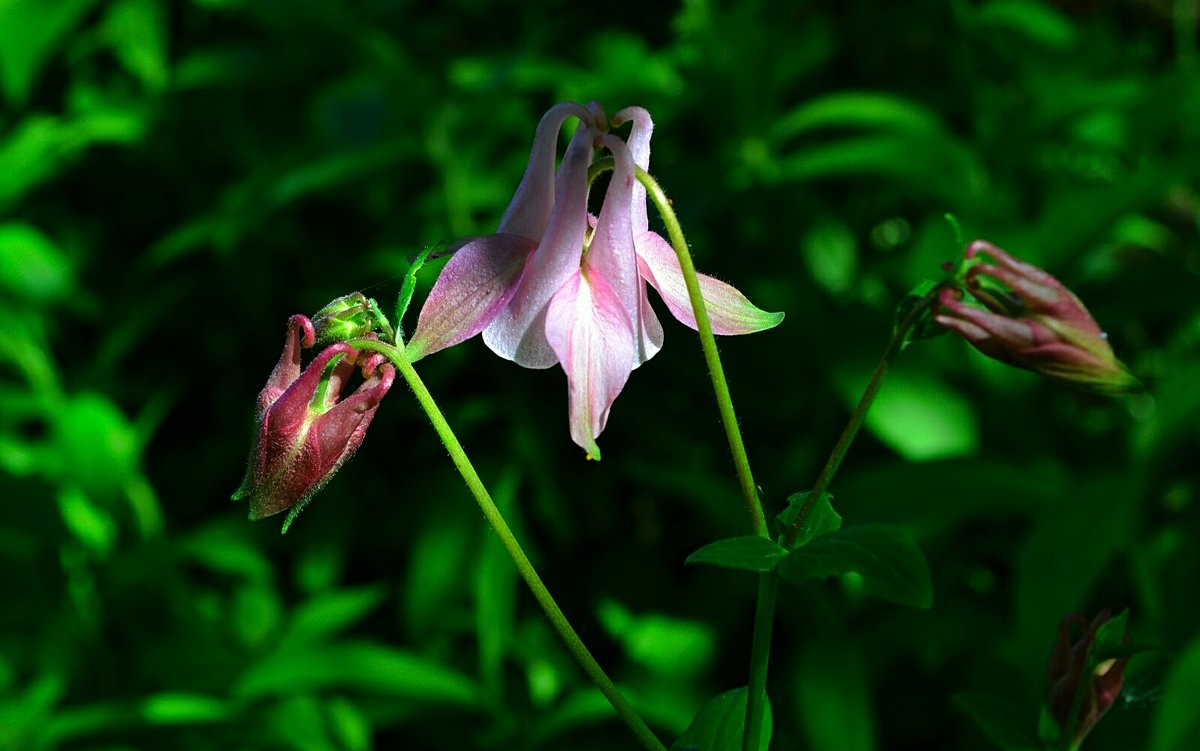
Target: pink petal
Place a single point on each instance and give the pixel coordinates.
(639, 147)
(474, 286)
(612, 253)
(531, 205)
(518, 332)
(728, 310)
(592, 335)
(650, 331)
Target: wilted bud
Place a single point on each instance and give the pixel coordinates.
(305, 431)
(1032, 321)
(1082, 686)
(343, 319)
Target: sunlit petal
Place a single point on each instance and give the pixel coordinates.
(728, 310)
(592, 335)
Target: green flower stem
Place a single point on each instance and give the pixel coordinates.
(760, 653)
(768, 584)
(899, 339)
(506, 537)
(709, 344)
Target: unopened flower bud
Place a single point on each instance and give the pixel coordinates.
(343, 319)
(305, 430)
(1032, 321)
(1082, 686)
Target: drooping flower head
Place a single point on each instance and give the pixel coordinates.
(1082, 687)
(556, 285)
(305, 430)
(1032, 321)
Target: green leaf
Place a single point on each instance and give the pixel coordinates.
(329, 612)
(822, 519)
(668, 646)
(917, 415)
(1036, 21)
(856, 109)
(747, 553)
(30, 31)
(890, 563)
(720, 723)
(32, 267)
(362, 666)
(1000, 720)
(1177, 724)
(137, 31)
(833, 684)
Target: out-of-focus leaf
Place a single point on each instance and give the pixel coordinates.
(936, 165)
(832, 256)
(1007, 726)
(1036, 21)
(890, 563)
(748, 553)
(434, 572)
(32, 267)
(257, 614)
(495, 589)
(1104, 508)
(98, 447)
(228, 551)
(23, 717)
(348, 725)
(91, 524)
(720, 723)
(1176, 722)
(327, 613)
(41, 146)
(856, 109)
(30, 31)
(358, 666)
(833, 698)
(918, 416)
(137, 31)
(666, 645)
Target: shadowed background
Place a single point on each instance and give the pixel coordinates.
(177, 178)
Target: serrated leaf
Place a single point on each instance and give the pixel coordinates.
(999, 719)
(748, 553)
(719, 725)
(890, 563)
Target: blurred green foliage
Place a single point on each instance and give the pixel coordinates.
(177, 178)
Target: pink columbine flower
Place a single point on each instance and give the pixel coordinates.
(556, 286)
(305, 431)
(1081, 688)
(1032, 321)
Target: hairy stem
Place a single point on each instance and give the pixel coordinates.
(899, 339)
(768, 584)
(557, 619)
(708, 343)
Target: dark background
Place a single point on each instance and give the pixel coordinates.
(177, 178)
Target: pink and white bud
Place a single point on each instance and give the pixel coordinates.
(1030, 320)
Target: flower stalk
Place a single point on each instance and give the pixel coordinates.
(491, 512)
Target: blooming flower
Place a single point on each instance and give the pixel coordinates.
(1032, 321)
(305, 431)
(556, 286)
(1082, 688)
